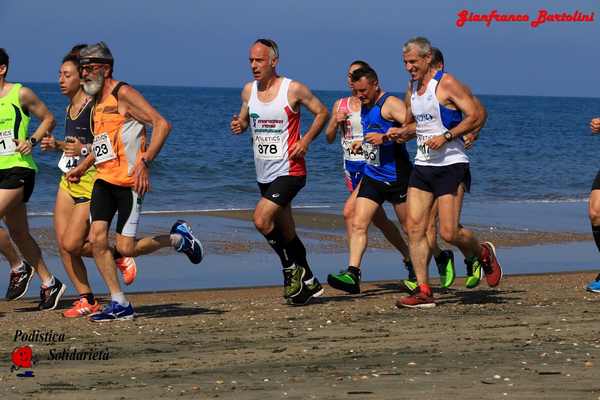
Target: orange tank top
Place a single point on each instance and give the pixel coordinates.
(119, 141)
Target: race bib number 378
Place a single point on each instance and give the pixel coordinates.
(268, 147)
(102, 148)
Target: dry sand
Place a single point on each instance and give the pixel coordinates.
(537, 337)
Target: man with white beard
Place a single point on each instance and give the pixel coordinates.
(123, 161)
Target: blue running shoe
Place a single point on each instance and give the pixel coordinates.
(594, 286)
(113, 312)
(189, 245)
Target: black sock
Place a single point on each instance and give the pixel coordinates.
(88, 296)
(276, 240)
(355, 271)
(297, 253)
(596, 232)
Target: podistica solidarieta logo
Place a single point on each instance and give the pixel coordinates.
(39, 346)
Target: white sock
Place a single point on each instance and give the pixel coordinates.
(176, 240)
(19, 268)
(49, 282)
(119, 297)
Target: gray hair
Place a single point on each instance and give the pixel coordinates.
(421, 43)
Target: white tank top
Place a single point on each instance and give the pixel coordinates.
(275, 128)
(427, 112)
(351, 131)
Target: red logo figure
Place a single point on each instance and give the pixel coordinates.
(21, 357)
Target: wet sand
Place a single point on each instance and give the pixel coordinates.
(536, 337)
(232, 232)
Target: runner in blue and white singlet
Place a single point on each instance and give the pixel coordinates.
(354, 161)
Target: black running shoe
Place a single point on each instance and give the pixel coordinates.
(310, 289)
(19, 282)
(50, 296)
(346, 281)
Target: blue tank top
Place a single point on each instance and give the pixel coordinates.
(388, 162)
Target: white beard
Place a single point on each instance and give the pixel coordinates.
(91, 88)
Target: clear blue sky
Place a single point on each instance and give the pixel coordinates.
(205, 43)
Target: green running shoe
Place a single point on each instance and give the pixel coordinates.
(346, 281)
(473, 272)
(409, 286)
(445, 266)
(292, 280)
(310, 289)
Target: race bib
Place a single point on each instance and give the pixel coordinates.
(7, 143)
(423, 151)
(102, 148)
(67, 163)
(371, 154)
(268, 147)
(349, 154)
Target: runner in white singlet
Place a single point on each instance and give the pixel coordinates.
(271, 108)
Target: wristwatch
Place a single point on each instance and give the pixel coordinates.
(448, 136)
(84, 151)
(33, 141)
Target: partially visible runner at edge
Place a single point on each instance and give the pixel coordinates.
(271, 108)
(346, 117)
(17, 179)
(444, 111)
(123, 162)
(594, 210)
(72, 209)
(385, 173)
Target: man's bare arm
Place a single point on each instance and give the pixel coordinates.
(139, 109)
(455, 92)
(35, 106)
(239, 122)
(332, 125)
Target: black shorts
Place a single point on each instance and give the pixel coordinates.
(108, 199)
(14, 178)
(380, 191)
(283, 189)
(596, 184)
(441, 180)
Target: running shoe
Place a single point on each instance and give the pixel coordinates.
(416, 300)
(189, 245)
(445, 266)
(310, 289)
(81, 308)
(128, 269)
(19, 282)
(49, 296)
(114, 312)
(594, 286)
(473, 272)
(409, 285)
(345, 281)
(292, 280)
(491, 267)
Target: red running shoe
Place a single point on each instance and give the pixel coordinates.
(128, 269)
(417, 300)
(491, 267)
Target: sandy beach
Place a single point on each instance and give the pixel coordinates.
(536, 337)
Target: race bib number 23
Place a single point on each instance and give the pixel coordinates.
(102, 148)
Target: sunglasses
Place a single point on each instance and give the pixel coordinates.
(270, 44)
(90, 68)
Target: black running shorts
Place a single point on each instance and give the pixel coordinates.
(441, 180)
(108, 199)
(596, 184)
(16, 177)
(283, 189)
(380, 191)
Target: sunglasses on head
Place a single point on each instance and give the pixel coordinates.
(270, 44)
